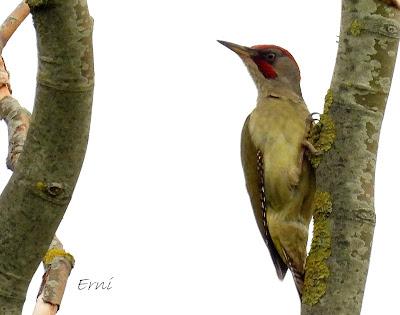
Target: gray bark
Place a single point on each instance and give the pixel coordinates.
(337, 266)
(37, 195)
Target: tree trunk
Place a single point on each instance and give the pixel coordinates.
(37, 195)
(337, 265)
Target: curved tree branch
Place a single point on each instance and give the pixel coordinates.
(12, 22)
(57, 262)
(344, 221)
(35, 199)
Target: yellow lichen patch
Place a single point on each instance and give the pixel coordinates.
(322, 204)
(328, 101)
(322, 135)
(317, 270)
(40, 185)
(355, 28)
(57, 252)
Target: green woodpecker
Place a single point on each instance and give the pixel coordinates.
(279, 177)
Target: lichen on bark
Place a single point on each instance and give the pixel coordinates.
(317, 270)
(368, 42)
(57, 252)
(322, 135)
(355, 28)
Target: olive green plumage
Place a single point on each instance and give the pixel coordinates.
(279, 177)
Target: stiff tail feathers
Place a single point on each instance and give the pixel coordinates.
(298, 281)
(298, 276)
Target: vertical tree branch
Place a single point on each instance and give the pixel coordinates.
(337, 266)
(35, 199)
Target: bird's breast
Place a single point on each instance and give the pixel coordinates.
(278, 123)
(278, 130)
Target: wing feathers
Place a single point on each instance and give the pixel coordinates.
(252, 161)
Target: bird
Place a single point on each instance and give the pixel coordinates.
(279, 177)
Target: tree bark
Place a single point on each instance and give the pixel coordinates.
(344, 221)
(58, 265)
(37, 195)
(12, 22)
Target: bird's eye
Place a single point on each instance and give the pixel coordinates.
(270, 56)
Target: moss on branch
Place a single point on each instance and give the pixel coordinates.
(354, 107)
(317, 270)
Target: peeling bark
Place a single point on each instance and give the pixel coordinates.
(58, 265)
(43, 308)
(369, 37)
(17, 119)
(36, 197)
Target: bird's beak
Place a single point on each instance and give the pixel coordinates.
(242, 51)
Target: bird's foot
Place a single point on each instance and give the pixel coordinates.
(312, 131)
(308, 145)
(310, 119)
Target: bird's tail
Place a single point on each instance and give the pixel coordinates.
(298, 276)
(298, 280)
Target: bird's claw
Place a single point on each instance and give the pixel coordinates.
(310, 119)
(308, 145)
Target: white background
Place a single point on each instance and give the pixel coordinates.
(161, 204)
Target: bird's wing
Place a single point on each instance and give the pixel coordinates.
(252, 162)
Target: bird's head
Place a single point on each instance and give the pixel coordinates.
(273, 69)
